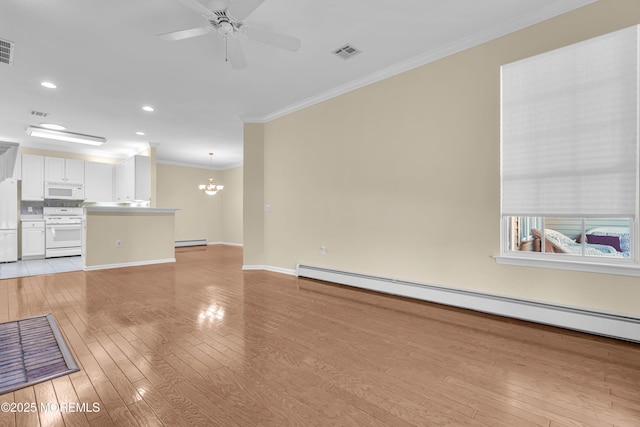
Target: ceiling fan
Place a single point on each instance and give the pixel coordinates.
(225, 17)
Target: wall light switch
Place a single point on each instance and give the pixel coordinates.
(267, 208)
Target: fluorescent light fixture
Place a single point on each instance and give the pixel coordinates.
(140, 133)
(65, 136)
(49, 85)
(52, 126)
(148, 108)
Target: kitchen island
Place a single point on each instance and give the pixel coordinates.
(124, 236)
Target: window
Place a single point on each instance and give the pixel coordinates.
(569, 156)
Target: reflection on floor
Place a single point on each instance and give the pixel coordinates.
(40, 266)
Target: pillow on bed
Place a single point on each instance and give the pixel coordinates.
(597, 239)
(621, 233)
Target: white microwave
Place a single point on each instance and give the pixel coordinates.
(63, 190)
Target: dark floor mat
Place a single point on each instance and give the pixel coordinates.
(32, 350)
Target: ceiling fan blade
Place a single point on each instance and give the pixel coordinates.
(240, 9)
(235, 54)
(197, 6)
(274, 39)
(185, 34)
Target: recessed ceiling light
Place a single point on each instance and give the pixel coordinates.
(49, 85)
(52, 126)
(147, 108)
(140, 133)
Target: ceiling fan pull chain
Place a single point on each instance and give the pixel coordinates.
(226, 49)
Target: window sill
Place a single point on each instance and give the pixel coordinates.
(574, 265)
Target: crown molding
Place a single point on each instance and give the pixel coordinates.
(198, 166)
(491, 33)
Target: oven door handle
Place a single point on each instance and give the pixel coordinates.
(53, 227)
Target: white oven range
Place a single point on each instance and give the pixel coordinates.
(63, 235)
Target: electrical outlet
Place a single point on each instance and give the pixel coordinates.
(323, 250)
(118, 243)
(30, 209)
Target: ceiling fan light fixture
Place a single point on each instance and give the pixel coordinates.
(225, 18)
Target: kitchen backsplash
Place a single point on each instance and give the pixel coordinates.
(36, 206)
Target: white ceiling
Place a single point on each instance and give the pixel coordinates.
(107, 62)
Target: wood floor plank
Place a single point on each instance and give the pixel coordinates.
(202, 342)
(99, 381)
(103, 420)
(86, 393)
(75, 414)
(30, 417)
(7, 416)
(121, 361)
(144, 415)
(118, 379)
(150, 372)
(161, 407)
(46, 395)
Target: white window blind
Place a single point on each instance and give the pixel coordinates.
(570, 130)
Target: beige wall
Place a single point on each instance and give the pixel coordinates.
(253, 195)
(200, 216)
(232, 205)
(144, 238)
(215, 218)
(401, 178)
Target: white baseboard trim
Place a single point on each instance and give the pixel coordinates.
(226, 243)
(287, 271)
(193, 242)
(584, 320)
(128, 264)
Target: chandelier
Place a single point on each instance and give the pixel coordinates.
(210, 188)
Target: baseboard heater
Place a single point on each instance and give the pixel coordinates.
(195, 242)
(579, 319)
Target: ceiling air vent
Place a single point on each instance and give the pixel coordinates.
(39, 113)
(6, 52)
(347, 51)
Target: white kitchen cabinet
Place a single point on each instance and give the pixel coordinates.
(98, 182)
(58, 169)
(33, 239)
(133, 181)
(32, 177)
(8, 156)
(8, 245)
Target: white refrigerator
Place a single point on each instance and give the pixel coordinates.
(9, 220)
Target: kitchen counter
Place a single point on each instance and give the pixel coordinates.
(128, 209)
(123, 236)
(27, 218)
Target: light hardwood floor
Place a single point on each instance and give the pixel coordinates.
(201, 342)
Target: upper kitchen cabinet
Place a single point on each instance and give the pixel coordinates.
(133, 180)
(58, 169)
(32, 177)
(8, 154)
(98, 182)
